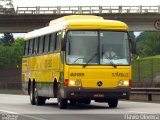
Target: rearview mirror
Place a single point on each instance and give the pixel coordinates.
(133, 46)
(63, 45)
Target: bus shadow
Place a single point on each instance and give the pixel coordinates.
(79, 106)
(84, 106)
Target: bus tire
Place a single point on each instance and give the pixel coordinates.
(32, 94)
(113, 103)
(87, 102)
(62, 103)
(55, 89)
(73, 102)
(38, 99)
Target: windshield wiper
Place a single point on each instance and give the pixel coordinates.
(108, 58)
(112, 63)
(90, 59)
(77, 59)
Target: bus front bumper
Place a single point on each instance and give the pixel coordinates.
(95, 94)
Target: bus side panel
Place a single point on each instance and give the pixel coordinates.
(47, 70)
(25, 74)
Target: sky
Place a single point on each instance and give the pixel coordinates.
(85, 2)
(15, 35)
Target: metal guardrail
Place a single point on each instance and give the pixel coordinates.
(146, 91)
(87, 9)
(10, 85)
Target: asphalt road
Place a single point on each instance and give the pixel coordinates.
(18, 107)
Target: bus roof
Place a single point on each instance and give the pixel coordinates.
(75, 17)
(77, 22)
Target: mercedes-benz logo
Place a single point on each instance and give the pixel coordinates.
(99, 83)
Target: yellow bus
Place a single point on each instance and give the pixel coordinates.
(76, 59)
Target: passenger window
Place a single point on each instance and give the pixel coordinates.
(41, 42)
(38, 44)
(30, 47)
(57, 41)
(52, 42)
(49, 45)
(26, 47)
(46, 44)
(35, 46)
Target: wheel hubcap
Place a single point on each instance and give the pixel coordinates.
(30, 94)
(35, 95)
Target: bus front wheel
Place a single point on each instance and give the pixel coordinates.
(87, 102)
(62, 103)
(113, 103)
(73, 102)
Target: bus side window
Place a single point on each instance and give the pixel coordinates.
(57, 41)
(52, 42)
(46, 43)
(24, 48)
(30, 46)
(41, 44)
(38, 44)
(49, 43)
(35, 45)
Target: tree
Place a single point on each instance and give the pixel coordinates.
(18, 52)
(7, 39)
(148, 43)
(10, 56)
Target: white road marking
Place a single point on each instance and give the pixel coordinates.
(28, 116)
(9, 112)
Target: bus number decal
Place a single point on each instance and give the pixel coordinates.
(77, 74)
(117, 74)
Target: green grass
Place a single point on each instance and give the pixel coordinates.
(146, 67)
(151, 57)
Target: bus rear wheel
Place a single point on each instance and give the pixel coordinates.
(113, 103)
(38, 99)
(32, 94)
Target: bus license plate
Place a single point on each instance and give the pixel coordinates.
(98, 95)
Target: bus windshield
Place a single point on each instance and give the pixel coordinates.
(97, 48)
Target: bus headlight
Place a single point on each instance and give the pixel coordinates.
(74, 82)
(123, 83)
(126, 83)
(78, 82)
(71, 82)
(120, 83)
